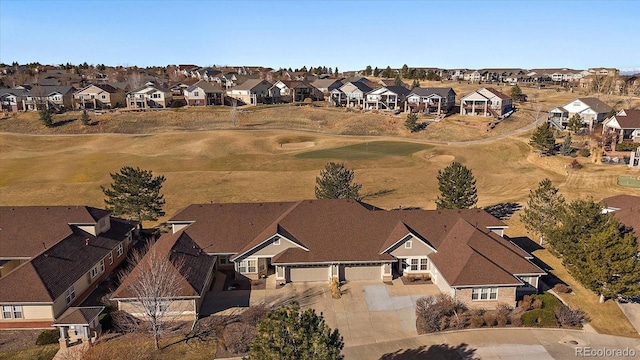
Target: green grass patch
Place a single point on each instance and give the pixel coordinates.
(367, 150)
(44, 352)
(629, 181)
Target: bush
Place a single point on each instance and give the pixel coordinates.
(526, 302)
(516, 320)
(431, 309)
(561, 288)
(238, 337)
(575, 165)
(253, 314)
(570, 317)
(477, 319)
(537, 304)
(48, 337)
(539, 318)
(549, 301)
(490, 318)
(627, 146)
(584, 152)
(106, 320)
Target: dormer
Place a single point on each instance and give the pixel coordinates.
(101, 226)
(179, 225)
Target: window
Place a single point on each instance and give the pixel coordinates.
(424, 264)
(156, 96)
(119, 250)
(408, 244)
(223, 259)
(94, 272)
(70, 294)
(195, 93)
(414, 264)
(102, 265)
(484, 294)
(248, 266)
(104, 96)
(7, 312)
(110, 258)
(12, 312)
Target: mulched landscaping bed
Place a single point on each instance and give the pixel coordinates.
(415, 281)
(12, 340)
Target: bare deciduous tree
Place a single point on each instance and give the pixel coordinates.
(154, 282)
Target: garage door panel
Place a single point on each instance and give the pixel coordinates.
(301, 274)
(362, 273)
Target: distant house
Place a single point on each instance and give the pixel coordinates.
(255, 91)
(53, 257)
(149, 96)
(297, 91)
(12, 100)
(626, 208)
(389, 97)
(464, 252)
(203, 93)
(351, 94)
(327, 85)
(431, 100)
(56, 98)
(590, 110)
(99, 96)
(195, 271)
(485, 102)
(625, 124)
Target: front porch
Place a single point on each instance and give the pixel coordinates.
(79, 325)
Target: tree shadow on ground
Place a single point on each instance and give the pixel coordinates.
(440, 351)
(503, 211)
(377, 194)
(63, 122)
(526, 244)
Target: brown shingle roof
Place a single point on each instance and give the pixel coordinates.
(79, 315)
(630, 121)
(498, 93)
(628, 213)
(596, 105)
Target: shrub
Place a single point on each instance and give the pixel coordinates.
(627, 146)
(47, 337)
(477, 319)
(106, 320)
(575, 165)
(516, 320)
(526, 302)
(238, 337)
(549, 301)
(502, 319)
(490, 318)
(561, 288)
(537, 304)
(584, 152)
(539, 318)
(431, 309)
(335, 289)
(569, 317)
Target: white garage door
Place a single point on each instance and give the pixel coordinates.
(362, 272)
(315, 273)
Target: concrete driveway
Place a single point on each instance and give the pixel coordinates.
(632, 310)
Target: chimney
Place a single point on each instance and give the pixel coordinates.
(86, 241)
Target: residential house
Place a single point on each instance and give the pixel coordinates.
(486, 102)
(178, 88)
(297, 91)
(473, 76)
(626, 208)
(12, 100)
(626, 124)
(99, 96)
(190, 263)
(464, 252)
(57, 98)
(203, 93)
(351, 94)
(226, 80)
(590, 110)
(431, 100)
(53, 257)
(255, 91)
(389, 97)
(327, 85)
(149, 96)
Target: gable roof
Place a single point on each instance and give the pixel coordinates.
(630, 119)
(627, 211)
(250, 84)
(596, 105)
(195, 265)
(207, 87)
(440, 91)
(41, 279)
(326, 83)
(105, 87)
(79, 315)
(498, 93)
(400, 90)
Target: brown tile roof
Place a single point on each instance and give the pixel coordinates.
(630, 121)
(196, 266)
(26, 231)
(79, 315)
(48, 275)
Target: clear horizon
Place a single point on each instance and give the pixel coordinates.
(346, 34)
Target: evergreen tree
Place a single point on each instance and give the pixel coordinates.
(398, 81)
(412, 122)
(597, 250)
(387, 73)
(575, 123)
(404, 72)
(457, 187)
(542, 139)
(516, 93)
(368, 71)
(415, 84)
(84, 118)
(288, 334)
(376, 72)
(543, 209)
(566, 149)
(304, 69)
(46, 117)
(336, 182)
(135, 193)
(335, 72)
(431, 76)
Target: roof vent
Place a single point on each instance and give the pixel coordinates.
(86, 241)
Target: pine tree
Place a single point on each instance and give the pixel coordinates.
(336, 182)
(457, 187)
(368, 71)
(135, 193)
(84, 118)
(376, 72)
(412, 122)
(415, 84)
(575, 123)
(404, 72)
(335, 72)
(398, 81)
(597, 250)
(46, 117)
(516, 93)
(387, 73)
(288, 334)
(542, 139)
(543, 209)
(566, 149)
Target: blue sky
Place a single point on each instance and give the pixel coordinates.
(347, 34)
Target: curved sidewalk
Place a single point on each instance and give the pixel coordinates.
(516, 343)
